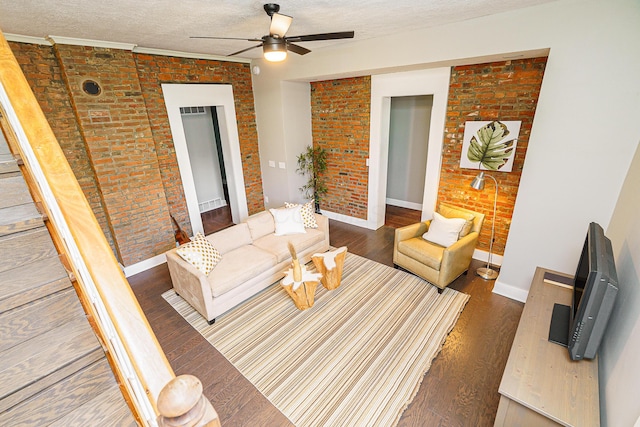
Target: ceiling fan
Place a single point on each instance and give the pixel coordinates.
(276, 44)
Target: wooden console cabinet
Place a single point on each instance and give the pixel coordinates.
(541, 385)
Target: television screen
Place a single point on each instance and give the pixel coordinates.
(595, 286)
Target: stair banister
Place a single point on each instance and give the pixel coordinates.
(135, 354)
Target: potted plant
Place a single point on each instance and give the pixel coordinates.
(313, 163)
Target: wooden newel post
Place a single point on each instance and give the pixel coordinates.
(330, 264)
(182, 404)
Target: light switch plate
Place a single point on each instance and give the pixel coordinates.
(281, 165)
(272, 164)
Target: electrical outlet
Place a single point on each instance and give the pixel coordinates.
(272, 164)
(266, 199)
(281, 165)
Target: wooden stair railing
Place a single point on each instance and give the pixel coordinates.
(132, 349)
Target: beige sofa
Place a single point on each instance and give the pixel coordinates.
(434, 263)
(253, 258)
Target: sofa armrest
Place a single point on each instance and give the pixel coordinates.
(323, 221)
(457, 257)
(323, 225)
(190, 283)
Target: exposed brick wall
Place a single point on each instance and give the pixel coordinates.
(155, 70)
(120, 144)
(42, 71)
(340, 114)
(500, 90)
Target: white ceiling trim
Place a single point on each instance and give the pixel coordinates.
(88, 42)
(179, 54)
(26, 39)
(51, 40)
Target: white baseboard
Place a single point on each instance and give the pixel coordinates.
(404, 204)
(144, 265)
(509, 291)
(347, 219)
(484, 256)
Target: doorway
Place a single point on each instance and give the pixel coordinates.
(220, 99)
(384, 87)
(409, 124)
(202, 133)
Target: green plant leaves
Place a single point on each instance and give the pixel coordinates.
(489, 148)
(313, 163)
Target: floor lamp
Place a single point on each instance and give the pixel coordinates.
(478, 184)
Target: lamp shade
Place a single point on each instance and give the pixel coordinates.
(478, 182)
(274, 49)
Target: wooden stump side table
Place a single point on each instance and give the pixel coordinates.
(303, 292)
(330, 264)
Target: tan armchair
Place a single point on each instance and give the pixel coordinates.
(436, 264)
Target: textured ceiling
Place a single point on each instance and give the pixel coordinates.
(167, 24)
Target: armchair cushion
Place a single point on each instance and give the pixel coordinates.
(444, 231)
(422, 251)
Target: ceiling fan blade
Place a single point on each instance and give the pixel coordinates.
(224, 38)
(297, 49)
(324, 36)
(279, 25)
(244, 50)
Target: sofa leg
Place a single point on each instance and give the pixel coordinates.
(212, 321)
(395, 266)
(440, 290)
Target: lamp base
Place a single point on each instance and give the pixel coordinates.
(487, 273)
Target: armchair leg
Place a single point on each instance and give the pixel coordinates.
(211, 322)
(440, 290)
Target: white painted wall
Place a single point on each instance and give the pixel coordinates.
(410, 119)
(618, 358)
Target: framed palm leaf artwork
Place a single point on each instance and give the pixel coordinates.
(489, 145)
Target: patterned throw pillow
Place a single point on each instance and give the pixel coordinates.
(307, 212)
(200, 253)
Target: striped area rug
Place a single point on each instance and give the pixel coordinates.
(356, 358)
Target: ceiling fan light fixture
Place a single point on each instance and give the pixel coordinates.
(274, 49)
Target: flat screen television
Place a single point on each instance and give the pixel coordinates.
(581, 326)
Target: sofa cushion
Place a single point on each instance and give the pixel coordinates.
(231, 238)
(260, 224)
(422, 251)
(238, 266)
(277, 245)
(200, 253)
(288, 221)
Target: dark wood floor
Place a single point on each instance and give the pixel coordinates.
(460, 389)
(216, 219)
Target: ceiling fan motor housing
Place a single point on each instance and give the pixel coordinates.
(271, 8)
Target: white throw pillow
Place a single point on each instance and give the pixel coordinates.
(444, 231)
(308, 213)
(288, 221)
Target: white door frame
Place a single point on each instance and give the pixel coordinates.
(221, 97)
(383, 87)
